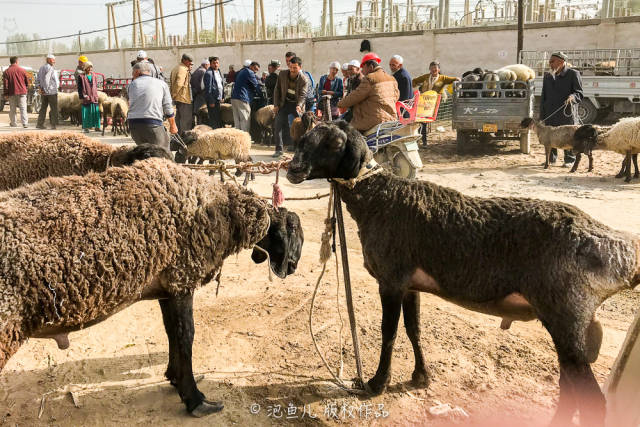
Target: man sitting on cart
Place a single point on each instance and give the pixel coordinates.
(374, 100)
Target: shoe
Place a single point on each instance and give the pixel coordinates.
(40, 127)
(567, 164)
(25, 126)
(98, 130)
(85, 130)
(53, 128)
(277, 154)
(13, 125)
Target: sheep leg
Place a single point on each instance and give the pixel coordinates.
(579, 390)
(179, 309)
(11, 338)
(635, 165)
(391, 306)
(622, 168)
(547, 154)
(411, 312)
(590, 162)
(576, 163)
(169, 327)
(628, 172)
(247, 175)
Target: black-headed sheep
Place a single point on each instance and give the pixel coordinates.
(118, 109)
(264, 119)
(516, 258)
(561, 137)
(623, 138)
(154, 230)
(27, 157)
(217, 144)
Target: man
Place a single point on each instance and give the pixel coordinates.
(149, 102)
(402, 77)
(310, 97)
(214, 92)
(272, 79)
(181, 93)
(345, 73)
(436, 82)
(231, 75)
(80, 67)
(355, 75)
(197, 86)
(288, 98)
(48, 84)
(374, 100)
(155, 70)
(288, 56)
(244, 90)
(561, 92)
(15, 85)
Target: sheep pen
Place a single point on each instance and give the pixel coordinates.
(515, 258)
(154, 230)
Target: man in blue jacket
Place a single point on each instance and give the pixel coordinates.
(214, 92)
(244, 90)
(402, 77)
(561, 92)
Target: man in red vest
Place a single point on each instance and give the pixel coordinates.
(15, 84)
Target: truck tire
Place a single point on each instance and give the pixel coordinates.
(462, 140)
(525, 142)
(587, 112)
(1, 103)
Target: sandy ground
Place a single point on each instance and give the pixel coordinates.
(253, 349)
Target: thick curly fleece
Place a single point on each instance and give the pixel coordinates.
(99, 240)
(27, 157)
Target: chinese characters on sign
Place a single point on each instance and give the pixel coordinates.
(478, 110)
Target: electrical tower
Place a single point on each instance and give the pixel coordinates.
(293, 15)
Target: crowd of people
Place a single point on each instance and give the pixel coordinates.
(361, 92)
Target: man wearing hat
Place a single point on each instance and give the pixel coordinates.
(197, 86)
(244, 90)
(48, 84)
(181, 93)
(80, 68)
(272, 79)
(561, 92)
(155, 70)
(402, 77)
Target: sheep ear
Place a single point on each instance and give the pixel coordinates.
(335, 138)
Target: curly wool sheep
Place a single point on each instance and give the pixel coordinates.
(217, 144)
(623, 138)
(154, 230)
(27, 157)
(516, 258)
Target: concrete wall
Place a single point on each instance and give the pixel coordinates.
(457, 49)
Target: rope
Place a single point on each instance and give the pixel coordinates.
(573, 112)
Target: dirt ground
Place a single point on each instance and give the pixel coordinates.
(252, 346)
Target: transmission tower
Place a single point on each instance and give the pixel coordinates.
(293, 14)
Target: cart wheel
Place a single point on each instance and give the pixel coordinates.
(525, 142)
(400, 165)
(587, 112)
(462, 139)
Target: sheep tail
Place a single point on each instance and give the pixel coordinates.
(635, 280)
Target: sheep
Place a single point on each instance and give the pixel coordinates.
(519, 72)
(302, 125)
(516, 258)
(69, 106)
(27, 157)
(154, 230)
(559, 137)
(217, 144)
(226, 114)
(623, 138)
(264, 119)
(118, 109)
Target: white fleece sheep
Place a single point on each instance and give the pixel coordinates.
(219, 144)
(516, 72)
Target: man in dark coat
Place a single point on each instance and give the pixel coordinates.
(272, 79)
(402, 77)
(561, 92)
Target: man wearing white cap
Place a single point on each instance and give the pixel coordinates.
(155, 70)
(48, 87)
(355, 76)
(402, 77)
(197, 86)
(345, 73)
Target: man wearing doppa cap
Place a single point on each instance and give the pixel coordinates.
(561, 91)
(181, 93)
(154, 69)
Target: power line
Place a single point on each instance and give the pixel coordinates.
(119, 26)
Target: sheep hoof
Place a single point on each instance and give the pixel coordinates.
(207, 408)
(505, 323)
(374, 387)
(420, 379)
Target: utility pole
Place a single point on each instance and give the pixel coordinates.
(520, 28)
(79, 42)
(195, 22)
(323, 21)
